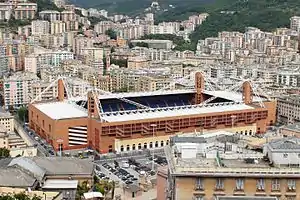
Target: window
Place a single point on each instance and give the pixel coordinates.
(219, 184)
(275, 185)
(139, 146)
(151, 145)
(246, 132)
(228, 147)
(156, 144)
(50, 128)
(291, 185)
(199, 198)
(127, 147)
(43, 123)
(250, 132)
(239, 184)
(285, 155)
(162, 143)
(299, 155)
(260, 185)
(110, 148)
(122, 148)
(167, 142)
(199, 184)
(133, 147)
(145, 145)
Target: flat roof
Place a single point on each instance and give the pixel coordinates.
(245, 198)
(233, 96)
(144, 94)
(173, 111)
(60, 184)
(61, 110)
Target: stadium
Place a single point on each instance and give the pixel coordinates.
(116, 122)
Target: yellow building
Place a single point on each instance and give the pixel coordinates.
(220, 166)
(152, 83)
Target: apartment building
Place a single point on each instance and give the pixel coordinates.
(57, 27)
(6, 120)
(67, 15)
(288, 109)
(219, 166)
(103, 26)
(40, 27)
(95, 54)
(152, 83)
(25, 11)
(17, 89)
(155, 44)
(81, 42)
(49, 15)
(5, 11)
(39, 86)
(295, 23)
(53, 58)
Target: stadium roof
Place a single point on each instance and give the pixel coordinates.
(144, 94)
(233, 96)
(171, 112)
(61, 110)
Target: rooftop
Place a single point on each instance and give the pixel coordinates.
(220, 154)
(61, 110)
(20, 178)
(173, 111)
(245, 198)
(233, 96)
(60, 184)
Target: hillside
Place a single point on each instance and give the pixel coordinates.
(134, 7)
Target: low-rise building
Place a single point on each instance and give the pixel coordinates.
(219, 165)
(6, 120)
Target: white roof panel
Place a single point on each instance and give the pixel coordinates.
(171, 112)
(61, 110)
(233, 96)
(60, 184)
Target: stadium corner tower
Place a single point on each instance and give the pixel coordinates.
(112, 123)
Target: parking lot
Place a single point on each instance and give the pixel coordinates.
(42, 145)
(129, 171)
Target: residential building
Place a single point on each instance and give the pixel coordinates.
(5, 11)
(288, 109)
(7, 120)
(40, 27)
(57, 27)
(25, 11)
(295, 23)
(155, 44)
(218, 165)
(290, 130)
(17, 89)
(49, 15)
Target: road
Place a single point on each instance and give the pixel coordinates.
(30, 139)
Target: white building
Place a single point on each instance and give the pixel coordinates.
(40, 27)
(295, 23)
(30, 63)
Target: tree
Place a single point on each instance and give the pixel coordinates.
(81, 189)
(105, 187)
(19, 196)
(23, 114)
(4, 153)
(111, 33)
